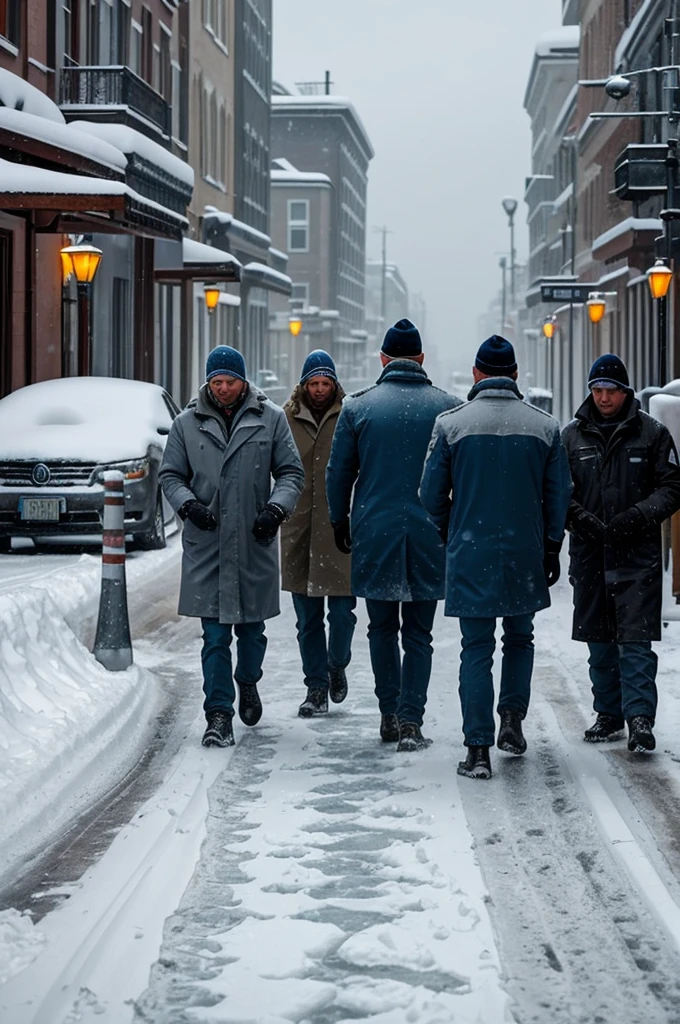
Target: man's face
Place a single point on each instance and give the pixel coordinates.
(319, 390)
(226, 389)
(608, 400)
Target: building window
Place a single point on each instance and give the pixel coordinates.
(136, 47)
(9, 20)
(298, 225)
(301, 293)
(147, 46)
(215, 20)
(165, 64)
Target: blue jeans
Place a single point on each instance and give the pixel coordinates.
(317, 653)
(476, 681)
(624, 679)
(401, 687)
(218, 681)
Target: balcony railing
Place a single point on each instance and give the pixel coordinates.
(114, 93)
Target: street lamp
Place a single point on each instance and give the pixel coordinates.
(211, 294)
(82, 261)
(659, 278)
(295, 325)
(596, 306)
(503, 264)
(549, 327)
(510, 205)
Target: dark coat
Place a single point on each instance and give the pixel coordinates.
(497, 480)
(378, 452)
(618, 589)
(226, 573)
(310, 562)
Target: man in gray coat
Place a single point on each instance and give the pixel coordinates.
(217, 471)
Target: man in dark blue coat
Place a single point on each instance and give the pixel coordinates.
(397, 555)
(496, 482)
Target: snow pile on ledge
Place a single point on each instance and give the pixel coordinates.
(59, 710)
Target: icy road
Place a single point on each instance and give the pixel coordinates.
(311, 874)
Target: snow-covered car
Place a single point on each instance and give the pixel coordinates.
(58, 438)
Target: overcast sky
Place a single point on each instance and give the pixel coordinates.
(439, 86)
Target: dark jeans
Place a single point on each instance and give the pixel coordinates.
(317, 653)
(218, 682)
(401, 687)
(476, 680)
(624, 679)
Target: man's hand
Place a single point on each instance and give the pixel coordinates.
(626, 526)
(585, 525)
(551, 561)
(197, 514)
(343, 537)
(267, 523)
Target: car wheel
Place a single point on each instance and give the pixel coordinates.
(154, 539)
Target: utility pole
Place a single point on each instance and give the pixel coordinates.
(383, 290)
(328, 83)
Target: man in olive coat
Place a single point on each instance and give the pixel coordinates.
(626, 482)
(217, 470)
(312, 567)
(397, 555)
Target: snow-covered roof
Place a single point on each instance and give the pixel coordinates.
(629, 224)
(21, 95)
(324, 103)
(198, 252)
(65, 136)
(128, 140)
(268, 272)
(283, 172)
(558, 41)
(212, 213)
(95, 419)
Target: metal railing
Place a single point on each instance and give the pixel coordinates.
(116, 86)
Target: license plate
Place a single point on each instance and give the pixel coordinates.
(41, 510)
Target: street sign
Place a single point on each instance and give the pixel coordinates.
(567, 292)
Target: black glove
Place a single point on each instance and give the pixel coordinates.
(343, 537)
(585, 525)
(198, 514)
(551, 561)
(267, 523)
(625, 526)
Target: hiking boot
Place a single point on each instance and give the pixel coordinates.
(337, 685)
(640, 736)
(389, 728)
(477, 764)
(315, 703)
(604, 728)
(219, 732)
(411, 738)
(249, 704)
(510, 736)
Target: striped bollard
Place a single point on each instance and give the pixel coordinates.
(112, 646)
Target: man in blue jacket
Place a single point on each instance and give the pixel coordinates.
(397, 555)
(496, 482)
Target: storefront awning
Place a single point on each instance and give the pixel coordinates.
(259, 275)
(103, 204)
(201, 263)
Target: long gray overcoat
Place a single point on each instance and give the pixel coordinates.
(226, 574)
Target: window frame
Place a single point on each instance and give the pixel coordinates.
(298, 224)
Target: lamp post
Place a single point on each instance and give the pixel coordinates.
(510, 205)
(503, 264)
(211, 294)
(549, 327)
(82, 261)
(659, 278)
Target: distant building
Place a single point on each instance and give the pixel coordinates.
(323, 134)
(389, 288)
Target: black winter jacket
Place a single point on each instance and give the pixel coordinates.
(618, 587)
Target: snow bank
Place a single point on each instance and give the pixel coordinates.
(60, 710)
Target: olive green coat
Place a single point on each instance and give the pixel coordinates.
(310, 562)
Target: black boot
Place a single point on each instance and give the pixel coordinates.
(315, 703)
(604, 728)
(249, 704)
(640, 736)
(337, 684)
(389, 728)
(477, 764)
(219, 732)
(510, 736)
(411, 738)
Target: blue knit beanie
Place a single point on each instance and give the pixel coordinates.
(226, 360)
(609, 372)
(318, 364)
(496, 357)
(402, 341)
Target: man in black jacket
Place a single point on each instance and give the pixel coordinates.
(626, 483)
